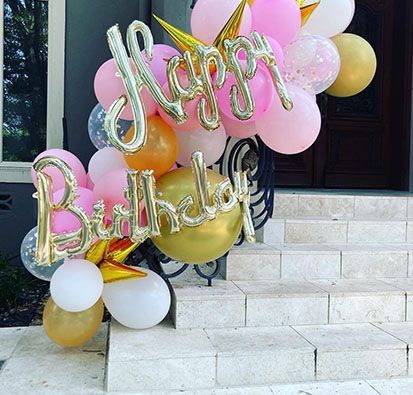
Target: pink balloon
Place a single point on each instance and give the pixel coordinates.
(89, 183)
(57, 178)
(210, 16)
(109, 86)
(104, 161)
(240, 129)
(161, 54)
(277, 50)
(211, 144)
(125, 227)
(291, 132)
(262, 90)
(64, 221)
(190, 107)
(280, 19)
(111, 188)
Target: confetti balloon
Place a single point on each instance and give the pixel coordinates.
(311, 63)
(28, 254)
(97, 133)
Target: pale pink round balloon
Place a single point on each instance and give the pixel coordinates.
(161, 54)
(291, 132)
(210, 16)
(190, 107)
(58, 180)
(111, 188)
(64, 221)
(262, 90)
(280, 19)
(211, 144)
(239, 129)
(104, 161)
(109, 86)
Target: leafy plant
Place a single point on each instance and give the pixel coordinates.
(14, 280)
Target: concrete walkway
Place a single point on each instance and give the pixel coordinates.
(32, 365)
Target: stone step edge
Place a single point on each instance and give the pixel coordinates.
(361, 386)
(264, 248)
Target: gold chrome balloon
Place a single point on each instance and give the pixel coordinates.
(358, 65)
(71, 329)
(203, 243)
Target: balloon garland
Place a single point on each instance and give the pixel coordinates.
(250, 68)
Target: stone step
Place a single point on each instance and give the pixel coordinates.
(165, 359)
(315, 231)
(290, 302)
(318, 261)
(325, 204)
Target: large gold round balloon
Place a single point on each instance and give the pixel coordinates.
(203, 243)
(358, 65)
(71, 329)
(160, 151)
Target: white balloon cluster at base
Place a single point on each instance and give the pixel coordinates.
(138, 303)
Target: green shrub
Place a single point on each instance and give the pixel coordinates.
(14, 281)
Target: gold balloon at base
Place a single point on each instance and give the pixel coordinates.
(71, 329)
(358, 65)
(203, 243)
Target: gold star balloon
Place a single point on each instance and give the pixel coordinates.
(109, 255)
(231, 28)
(307, 10)
(186, 42)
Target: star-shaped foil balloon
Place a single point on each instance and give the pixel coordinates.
(109, 255)
(307, 10)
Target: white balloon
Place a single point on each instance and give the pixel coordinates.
(104, 161)
(211, 144)
(76, 285)
(139, 303)
(331, 17)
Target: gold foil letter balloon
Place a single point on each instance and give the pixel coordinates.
(47, 246)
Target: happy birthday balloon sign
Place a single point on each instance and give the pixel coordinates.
(198, 65)
(141, 192)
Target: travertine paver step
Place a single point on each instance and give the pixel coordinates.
(329, 231)
(318, 261)
(343, 205)
(35, 365)
(166, 359)
(290, 302)
(226, 361)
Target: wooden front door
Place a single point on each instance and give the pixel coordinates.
(365, 139)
